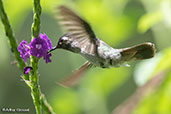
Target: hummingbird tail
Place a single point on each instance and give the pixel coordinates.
(138, 52)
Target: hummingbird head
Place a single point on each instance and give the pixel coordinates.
(65, 42)
(62, 43)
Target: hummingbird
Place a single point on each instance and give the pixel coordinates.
(81, 39)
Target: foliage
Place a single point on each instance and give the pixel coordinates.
(120, 23)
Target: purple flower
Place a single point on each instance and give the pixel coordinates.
(38, 47)
(23, 48)
(47, 58)
(27, 69)
(48, 41)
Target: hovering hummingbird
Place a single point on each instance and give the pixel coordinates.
(81, 39)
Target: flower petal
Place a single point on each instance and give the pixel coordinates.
(27, 69)
(47, 58)
(23, 48)
(38, 47)
(48, 41)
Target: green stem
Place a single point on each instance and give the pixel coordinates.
(35, 88)
(36, 18)
(38, 98)
(10, 35)
(45, 105)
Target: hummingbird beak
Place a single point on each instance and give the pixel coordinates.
(54, 48)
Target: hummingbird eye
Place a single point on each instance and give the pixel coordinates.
(63, 41)
(60, 42)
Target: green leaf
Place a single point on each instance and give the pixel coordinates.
(166, 9)
(148, 20)
(103, 81)
(65, 101)
(157, 102)
(165, 62)
(17, 12)
(146, 69)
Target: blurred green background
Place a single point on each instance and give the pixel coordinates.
(120, 23)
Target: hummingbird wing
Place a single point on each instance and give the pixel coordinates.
(80, 31)
(75, 77)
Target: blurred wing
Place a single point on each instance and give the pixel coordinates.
(75, 77)
(80, 31)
